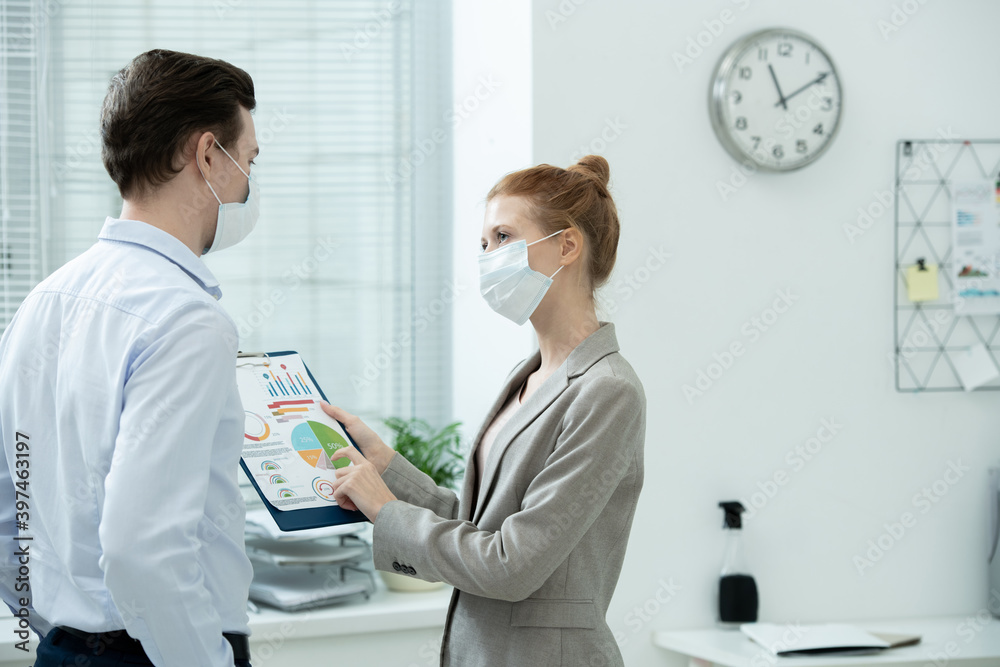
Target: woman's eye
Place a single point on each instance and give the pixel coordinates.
(501, 237)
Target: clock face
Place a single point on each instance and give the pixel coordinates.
(776, 100)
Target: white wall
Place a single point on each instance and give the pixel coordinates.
(492, 80)
(826, 358)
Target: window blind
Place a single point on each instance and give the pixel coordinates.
(21, 251)
(350, 261)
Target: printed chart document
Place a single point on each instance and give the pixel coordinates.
(289, 442)
(976, 247)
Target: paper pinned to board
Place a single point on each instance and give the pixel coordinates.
(975, 366)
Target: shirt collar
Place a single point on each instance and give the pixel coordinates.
(163, 243)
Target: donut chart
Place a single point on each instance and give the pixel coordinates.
(316, 443)
(255, 427)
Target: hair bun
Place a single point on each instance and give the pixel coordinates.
(595, 167)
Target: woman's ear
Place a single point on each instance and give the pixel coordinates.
(571, 245)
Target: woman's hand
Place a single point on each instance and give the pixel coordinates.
(376, 451)
(359, 486)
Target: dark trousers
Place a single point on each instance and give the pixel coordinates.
(61, 649)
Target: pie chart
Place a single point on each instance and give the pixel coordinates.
(316, 442)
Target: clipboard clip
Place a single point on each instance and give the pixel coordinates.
(253, 355)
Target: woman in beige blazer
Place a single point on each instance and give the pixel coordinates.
(535, 542)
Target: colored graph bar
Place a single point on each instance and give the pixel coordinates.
(281, 404)
(302, 382)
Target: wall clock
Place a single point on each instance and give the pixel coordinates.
(776, 100)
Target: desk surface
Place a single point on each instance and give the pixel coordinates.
(385, 610)
(950, 640)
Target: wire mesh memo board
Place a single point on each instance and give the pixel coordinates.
(929, 333)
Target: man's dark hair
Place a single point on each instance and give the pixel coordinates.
(153, 106)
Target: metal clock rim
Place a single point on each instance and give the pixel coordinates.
(716, 97)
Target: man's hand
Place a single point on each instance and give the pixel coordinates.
(359, 486)
(376, 451)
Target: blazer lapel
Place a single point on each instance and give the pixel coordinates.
(527, 367)
(527, 413)
(594, 348)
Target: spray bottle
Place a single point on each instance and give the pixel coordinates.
(737, 589)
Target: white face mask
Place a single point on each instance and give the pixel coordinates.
(509, 285)
(236, 219)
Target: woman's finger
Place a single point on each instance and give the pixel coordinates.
(337, 413)
(350, 453)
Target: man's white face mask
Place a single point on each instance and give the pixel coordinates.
(509, 285)
(236, 219)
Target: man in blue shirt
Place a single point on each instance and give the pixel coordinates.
(120, 419)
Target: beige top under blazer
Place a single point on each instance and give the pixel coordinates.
(535, 558)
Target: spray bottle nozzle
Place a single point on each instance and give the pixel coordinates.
(733, 509)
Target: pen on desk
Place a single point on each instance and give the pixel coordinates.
(252, 607)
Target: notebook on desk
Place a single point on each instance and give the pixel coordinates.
(824, 639)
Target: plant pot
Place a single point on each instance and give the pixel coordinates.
(405, 584)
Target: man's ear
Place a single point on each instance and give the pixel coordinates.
(571, 245)
(202, 155)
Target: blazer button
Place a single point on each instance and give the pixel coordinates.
(396, 566)
(412, 571)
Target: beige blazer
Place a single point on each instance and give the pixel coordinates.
(535, 559)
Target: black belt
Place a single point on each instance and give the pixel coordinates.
(119, 640)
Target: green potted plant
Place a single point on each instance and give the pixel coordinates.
(438, 454)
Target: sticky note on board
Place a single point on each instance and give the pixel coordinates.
(975, 366)
(922, 282)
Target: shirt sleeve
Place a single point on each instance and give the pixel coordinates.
(155, 491)
(559, 505)
(13, 591)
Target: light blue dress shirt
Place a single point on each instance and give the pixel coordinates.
(120, 369)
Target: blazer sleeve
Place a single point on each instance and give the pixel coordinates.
(601, 439)
(411, 485)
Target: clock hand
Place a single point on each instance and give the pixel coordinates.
(781, 98)
(818, 79)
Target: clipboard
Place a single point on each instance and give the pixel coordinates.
(288, 440)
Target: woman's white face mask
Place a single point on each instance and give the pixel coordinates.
(509, 285)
